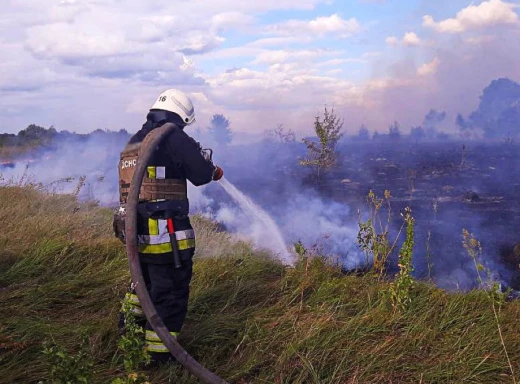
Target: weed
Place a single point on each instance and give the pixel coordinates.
(132, 346)
(66, 368)
(474, 249)
(463, 157)
(373, 235)
(412, 179)
(435, 207)
(401, 287)
(81, 183)
(300, 249)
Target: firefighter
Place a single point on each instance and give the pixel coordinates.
(166, 239)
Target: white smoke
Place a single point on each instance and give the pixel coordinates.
(61, 171)
(317, 221)
(298, 217)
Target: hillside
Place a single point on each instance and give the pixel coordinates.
(62, 275)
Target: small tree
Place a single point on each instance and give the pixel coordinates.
(417, 133)
(281, 135)
(322, 155)
(363, 133)
(220, 130)
(394, 131)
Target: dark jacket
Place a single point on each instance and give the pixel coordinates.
(178, 152)
(182, 158)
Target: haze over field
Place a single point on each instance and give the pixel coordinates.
(84, 64)
(418, 76)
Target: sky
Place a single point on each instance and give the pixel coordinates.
(81, 65)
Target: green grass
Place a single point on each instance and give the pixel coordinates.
(250, 320)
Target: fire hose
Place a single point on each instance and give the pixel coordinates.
(182, 356)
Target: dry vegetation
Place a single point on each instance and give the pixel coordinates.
(62, 276)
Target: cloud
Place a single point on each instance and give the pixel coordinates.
(371, 54)
(215, 6)
(77, 66)
(488, 13)
(200, 43)
(280, 56)
(429, 68)
(320, 26)
(409, 39)
(145, 36)
(68, 41)
(451, 82)
(231, 20)
(392, 40)
(289, 93)
(18, 61)
(276, 41)
(480, 39)
(341, 61)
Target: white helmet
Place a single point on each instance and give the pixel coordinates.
(177, 102)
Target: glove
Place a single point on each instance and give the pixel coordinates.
(118, 225)
(218, 173)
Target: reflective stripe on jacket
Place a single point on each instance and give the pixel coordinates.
(158, 238)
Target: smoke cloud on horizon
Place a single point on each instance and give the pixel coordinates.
(269, 173)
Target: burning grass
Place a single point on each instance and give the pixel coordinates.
(62, 276)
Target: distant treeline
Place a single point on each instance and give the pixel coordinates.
(34, 135)
(37, 136)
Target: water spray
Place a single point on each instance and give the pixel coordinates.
(274, 240)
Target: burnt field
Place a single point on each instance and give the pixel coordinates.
(450, 186)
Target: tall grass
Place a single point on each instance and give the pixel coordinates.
(250, 320)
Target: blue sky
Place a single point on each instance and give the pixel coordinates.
(72, 64)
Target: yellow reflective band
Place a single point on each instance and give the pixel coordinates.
(151, 172)
(153, 226)
(186, 244)
(155, 344)
(166, 247)
(152, 336)
(155, 248)
(157, 348)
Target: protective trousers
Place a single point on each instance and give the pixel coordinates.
(169, 289)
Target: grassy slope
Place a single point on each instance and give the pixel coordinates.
(62, 274)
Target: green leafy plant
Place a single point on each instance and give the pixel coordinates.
(373, 234)
(66, 368)
(132, 346)
(401, 287)
(300, 249)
